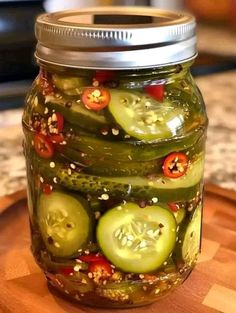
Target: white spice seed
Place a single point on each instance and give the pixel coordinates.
(104, 132)
(77, 268)
(104, 196)
(72, 165)
(95, 83)
(143, 244)
(36, 101)
(63, 143)
(55, 180)
(41, 179)
(54, 117)
(127, 136)
(52, 164)
(154, 199)
(97, 215)
(115, 131)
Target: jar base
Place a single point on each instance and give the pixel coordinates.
(92, 302)
(111, 298)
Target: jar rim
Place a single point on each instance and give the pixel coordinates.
(132, 37)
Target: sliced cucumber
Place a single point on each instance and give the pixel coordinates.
(165, 189)
(144, 118)
(70, 85)
(135, 151)
(140, 240)
(192, 238)
(102, 167)
(75, 113)
(64, 223)
(124, 168)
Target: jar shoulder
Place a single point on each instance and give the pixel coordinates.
(145, 107)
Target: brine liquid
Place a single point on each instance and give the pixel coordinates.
(114, 183)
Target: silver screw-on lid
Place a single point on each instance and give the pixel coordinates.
(116, 38)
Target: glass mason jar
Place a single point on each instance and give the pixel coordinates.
(115, 130)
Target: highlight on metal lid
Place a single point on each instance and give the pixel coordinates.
(115, 37)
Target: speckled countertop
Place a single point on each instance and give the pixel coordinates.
(219, 92)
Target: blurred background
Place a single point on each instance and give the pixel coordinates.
(217, 37)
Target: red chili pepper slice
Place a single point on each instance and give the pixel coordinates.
(100, 269)
(92, 258)
(45, 82)
(175, 165)
(173, 206)
(43, 146)
(95, 98)
(155, 91)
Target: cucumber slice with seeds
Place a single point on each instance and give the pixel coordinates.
(64, 223)
(144, 118)
(140, 240)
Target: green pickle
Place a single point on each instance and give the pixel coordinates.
(115, 181)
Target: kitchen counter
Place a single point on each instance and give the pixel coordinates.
(219, 41)
(219, 92)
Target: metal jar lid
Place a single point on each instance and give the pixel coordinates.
(115, 38)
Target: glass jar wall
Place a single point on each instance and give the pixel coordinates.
(115, 166)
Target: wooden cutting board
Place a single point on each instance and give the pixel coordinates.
(211, 288)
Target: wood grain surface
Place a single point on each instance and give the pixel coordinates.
(211, 287)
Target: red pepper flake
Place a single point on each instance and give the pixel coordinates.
(102, 76)
(173, 206)
(156, 91)
(47, 189)
(67, 271)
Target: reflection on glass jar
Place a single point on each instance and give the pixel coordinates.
(115, 160)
